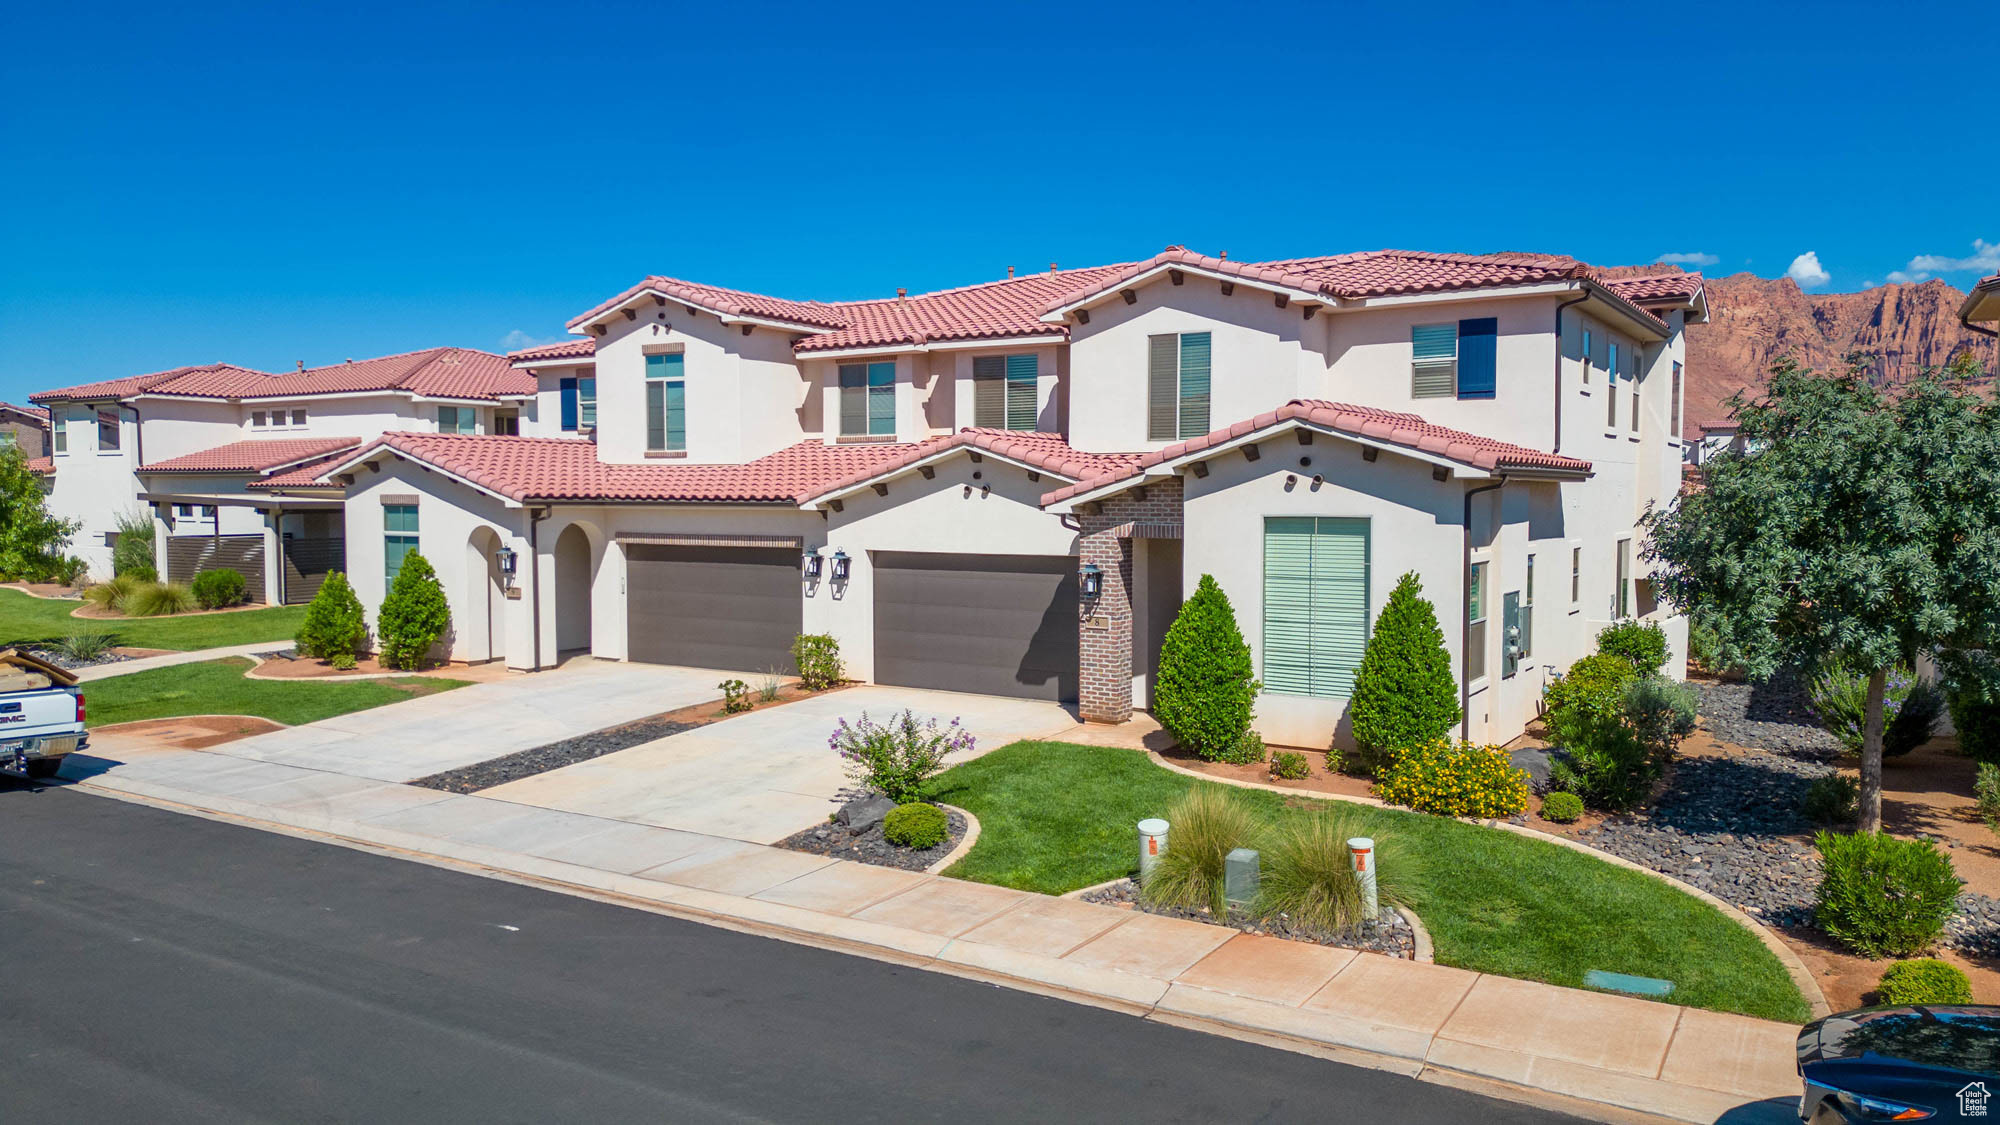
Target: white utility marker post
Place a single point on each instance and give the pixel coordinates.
(1362, 848)
(1152, 842)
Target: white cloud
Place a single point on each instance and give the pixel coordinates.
(516, 340)
(1985, 259)
(1867, 285)
(1694, 259)
(1806, 270)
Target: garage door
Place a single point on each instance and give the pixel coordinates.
(994, 624)
(735, 608)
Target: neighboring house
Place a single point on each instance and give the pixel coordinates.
(25, 428)
(1711, 438)
(1009, 487)
(1982, 306)
(224, 459)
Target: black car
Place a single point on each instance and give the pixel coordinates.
(1924, 1063)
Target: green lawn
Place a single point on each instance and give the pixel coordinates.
(218, 687)
(28, 620)
(1054, 817)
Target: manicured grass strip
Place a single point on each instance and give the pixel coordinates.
(1054, 817)
(218, 687)
(31, 620)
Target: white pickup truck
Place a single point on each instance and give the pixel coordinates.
(41, 716)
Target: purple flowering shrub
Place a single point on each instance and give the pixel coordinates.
(1910, 708)
(898, 758)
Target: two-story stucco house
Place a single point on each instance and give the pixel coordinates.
(1008, 487)
(224, 459)
(25, 428)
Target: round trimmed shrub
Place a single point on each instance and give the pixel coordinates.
(1925, 980)
(1642, 644)
(1453, 778)
(1404, 693)
(414, 615)
(335, 627)
(1288, 765)
(1882, 896)
(219, 588)
(1562, 808)
(1206, 682)
(916, 825)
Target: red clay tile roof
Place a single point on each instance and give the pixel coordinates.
(1983, 290)
(1046, 452)
(1392, 427)
(304, 476)
(527, 469)
(1658, 287)
(38, 413)
(42, 466)
(253, 455)
(994, 309)
(727, 302)
(433, 372)
(565, 349)
(1719, 426)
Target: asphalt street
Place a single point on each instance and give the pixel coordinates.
(163, 967)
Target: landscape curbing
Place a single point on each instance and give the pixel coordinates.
(1362, 1041)
(965, 843)
(1794, 967)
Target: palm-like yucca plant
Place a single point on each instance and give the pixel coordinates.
(1207, 823)
(1309, 877)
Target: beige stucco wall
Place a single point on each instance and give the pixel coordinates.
(744, 396)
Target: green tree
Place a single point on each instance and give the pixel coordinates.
(1404, 694)
(414, 615)
(1206, 684)
(336, 627)
(31, 540)
(1862, 525)
(133, 552)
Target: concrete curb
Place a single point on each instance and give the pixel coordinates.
(1794, 967)
(965, 844)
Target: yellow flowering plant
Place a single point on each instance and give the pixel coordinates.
(1452, 778)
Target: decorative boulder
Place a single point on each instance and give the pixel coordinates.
(863, 813)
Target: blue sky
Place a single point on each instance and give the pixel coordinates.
(203, 183)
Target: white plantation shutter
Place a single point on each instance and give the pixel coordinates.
(1433, 360)
(1022, 373)
(989, 392)
(1315, 604)
(1194, 384)
(1162, 387)
(1288, 542)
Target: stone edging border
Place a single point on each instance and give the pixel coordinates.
(113, 728)
(251, 674)
(1801, 976)
(1424, 952)
(78, 611)
(965, 842)
(21, 588)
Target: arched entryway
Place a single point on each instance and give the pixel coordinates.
(573, 579)
(484, 630)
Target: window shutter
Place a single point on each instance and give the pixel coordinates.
(1433, 360)
(1477, 357)
(881, 398)
(1340, 604)
(1288, 542)
(989, 392)
(569, 404)
(1194, 384)
(1162, 387)
(853, 398)
(656, 415)
(676, 414)
(1022, 372)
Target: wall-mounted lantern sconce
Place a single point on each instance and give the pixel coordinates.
(505, 559)
(840, 566)
(1090, 581)
(809, 565)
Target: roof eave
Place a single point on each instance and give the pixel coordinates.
(818, 501)
(1092, 298)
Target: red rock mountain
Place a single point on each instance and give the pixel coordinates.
(1755, 321)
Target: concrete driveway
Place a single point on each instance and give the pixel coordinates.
(762, 776)
(423, 736)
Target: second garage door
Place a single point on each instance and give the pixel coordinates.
(993, 624)
(734, 608)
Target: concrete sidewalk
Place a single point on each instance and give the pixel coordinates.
(173, 659)
(1604, 1056)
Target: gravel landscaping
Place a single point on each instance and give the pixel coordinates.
(869, 846)
(55, 657)
(553, 756)
(1389, 933)
(1730, 825)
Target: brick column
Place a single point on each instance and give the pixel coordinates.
(1104, 639)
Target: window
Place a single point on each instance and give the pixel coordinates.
(399, 536)
(507, 422)
(1674, 411)
(1575, 575)
(868, 398)
(257, 419)
(666, 402)
(1624, 603)
(60, 416)
(1528, 611)
(458, 420)
(107, 429)
(1005, 392)
(1588, 356)
(1475, 621)
(1315, 604)
(298, 417)
(208, 511)
(569, 405)
(1454, 359)
(8, 440)
(1611, 388)
(184, 511)
(586, 401)
(1635, 389)
(1177, 385)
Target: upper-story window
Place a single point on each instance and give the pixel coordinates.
(1177, 385)
(666, 402)
(1611, 387)
(298, 417)
(1635, 389)
(1674, 410)
(1004, 395)
(107, 429)
(59, 417)
(1458, 359)
(507, 422)
(1589, 355)
(257, 419)
(458, 420)
(867, 398)
(579, 403)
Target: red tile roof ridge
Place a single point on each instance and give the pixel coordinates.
(252, 455)
(1043, 451)
(560, 349)
(718, 298)
(42, 466)
(1041, 275)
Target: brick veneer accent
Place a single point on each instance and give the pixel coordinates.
(1105, 651)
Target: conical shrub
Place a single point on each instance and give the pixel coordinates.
(1404, 694)
(1206, 685)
